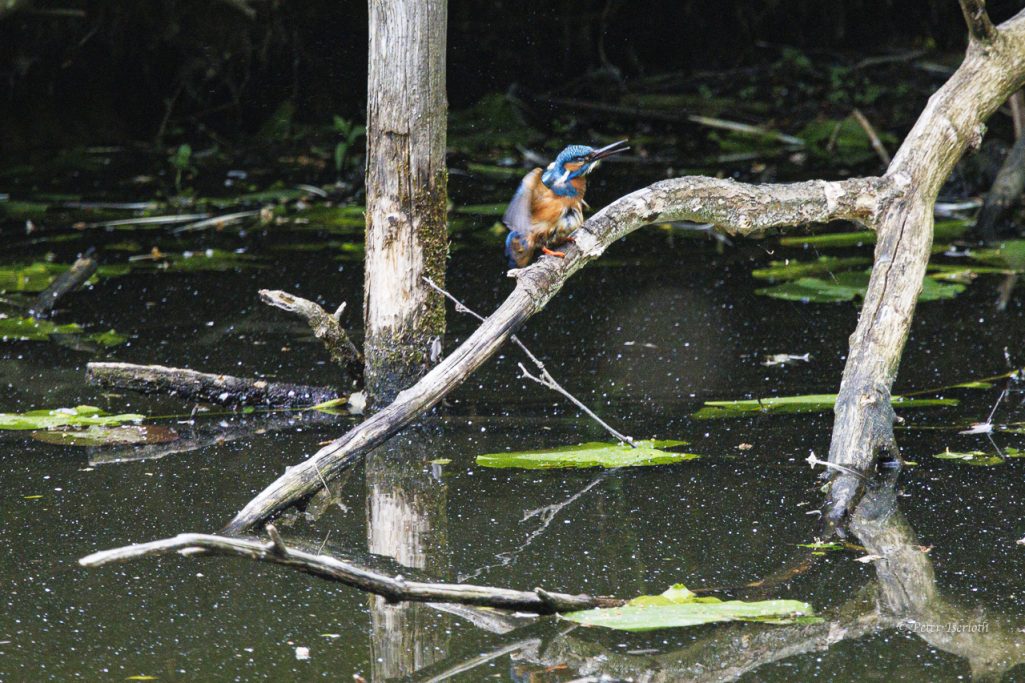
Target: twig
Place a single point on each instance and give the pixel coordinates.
(394, 589)
(980, 27)
(656, 115)
(68, 281)
(326, 327)
(812, 460)
(546, 378)
(873, 137)
(201, 386)
(547, 514)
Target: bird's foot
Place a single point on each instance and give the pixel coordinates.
(546, 250)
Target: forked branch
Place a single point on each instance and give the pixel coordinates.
(736, 208)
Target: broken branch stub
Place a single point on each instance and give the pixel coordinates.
(326, 327)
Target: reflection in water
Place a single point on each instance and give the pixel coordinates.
(904, 596)
(991, 643)
(407, 521)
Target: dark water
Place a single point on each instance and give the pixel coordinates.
(665, 322)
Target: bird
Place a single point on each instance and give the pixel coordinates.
(549, 204)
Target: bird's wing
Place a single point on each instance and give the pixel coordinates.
(518, 215)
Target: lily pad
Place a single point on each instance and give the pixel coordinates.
(108, 338)
(1010, 254)
(793, 269)
(971, 457)
(808, 403)
(847, 286)
(80, 416)
(96, 435)
(942, 230)
(31, 329)
(594, 454)
(679, 607)
(37, 276)
(980, 457)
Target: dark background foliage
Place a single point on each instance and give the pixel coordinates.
(117, 70)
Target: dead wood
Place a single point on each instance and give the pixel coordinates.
(736, 208)
(951, 123)
(201, 386)
(66, 283)
(326, 327)
(393, 589)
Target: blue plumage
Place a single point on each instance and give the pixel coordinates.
(548, 205)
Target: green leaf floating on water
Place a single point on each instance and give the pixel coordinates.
(97, 435)
(942, 230)
(847, 286)
(808, 403)
(594, 454)
(793, 269)
(1010, 254)
(979, 457)
(30, 329)
(679, 607)
(80, 416)
(35, 277)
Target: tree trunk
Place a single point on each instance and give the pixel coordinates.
(406, 181)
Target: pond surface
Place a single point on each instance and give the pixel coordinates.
(667, 320)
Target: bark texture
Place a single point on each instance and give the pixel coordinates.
(737, 208)
(952, 122)
(204, 386)
(406, 237)
(394, 589)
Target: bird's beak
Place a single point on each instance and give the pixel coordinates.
(608, 150)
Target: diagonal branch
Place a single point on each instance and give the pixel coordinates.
(393, 589)
(736, 208)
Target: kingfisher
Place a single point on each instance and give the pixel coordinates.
(549, 204)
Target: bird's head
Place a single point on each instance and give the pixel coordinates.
(576, 161)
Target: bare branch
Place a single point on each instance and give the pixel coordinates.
(980, 28)
(394, 589)
(202, 386)
(326, 327)
(737, 208)
(950, 124)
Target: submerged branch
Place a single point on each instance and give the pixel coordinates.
(393, 589)
(736, 208)
(201, 386)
